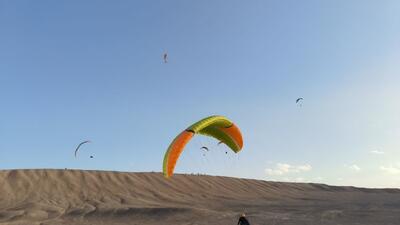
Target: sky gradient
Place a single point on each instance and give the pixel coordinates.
(77, 70)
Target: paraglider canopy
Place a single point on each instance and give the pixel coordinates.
(218, 127)
(299, 99)
(205, 148)
(79, 146)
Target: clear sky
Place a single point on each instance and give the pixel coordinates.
(77, 70)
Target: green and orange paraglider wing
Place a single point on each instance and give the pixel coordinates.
(174, 151)
(231, 136)
(218, 127)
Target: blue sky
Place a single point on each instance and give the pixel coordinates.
(77, 70)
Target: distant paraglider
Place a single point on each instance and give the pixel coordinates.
(221, 142)
(165, 57)
(77, 148)
(218, 127)
(299, 101)
(205, 148)
(91, 157)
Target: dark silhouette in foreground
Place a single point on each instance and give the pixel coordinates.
(243, 220)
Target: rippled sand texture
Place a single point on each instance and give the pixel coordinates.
(116, 198)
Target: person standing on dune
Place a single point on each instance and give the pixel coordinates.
(243, 220)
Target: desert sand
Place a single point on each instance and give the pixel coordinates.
(116, 198)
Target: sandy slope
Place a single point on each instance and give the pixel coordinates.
(98, 197)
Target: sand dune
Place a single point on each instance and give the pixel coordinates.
(98, 197)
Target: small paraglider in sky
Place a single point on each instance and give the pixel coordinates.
(221, 142)
(205, 148)
(91, 157)
(77, 148)
(165, 57)
(299, 101)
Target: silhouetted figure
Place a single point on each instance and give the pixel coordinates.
(243, 220)
(165, 56)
